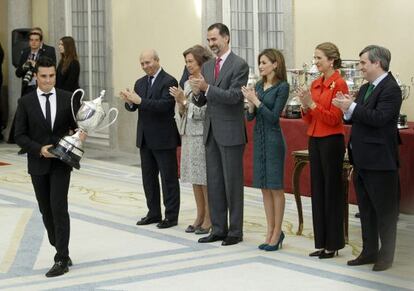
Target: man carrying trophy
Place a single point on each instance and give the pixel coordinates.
(43, 117)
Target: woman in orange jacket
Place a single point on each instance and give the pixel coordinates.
(326, 151)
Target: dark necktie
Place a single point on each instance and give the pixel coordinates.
(368, 92)
(149, 85)
(48, 112)
(217, 68)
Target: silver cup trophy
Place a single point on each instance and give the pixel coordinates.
(90, 115)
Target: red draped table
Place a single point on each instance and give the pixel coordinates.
(294, 131)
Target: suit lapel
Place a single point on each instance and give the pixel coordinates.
(374, 95)
(224, 69)
(155, 85)
(59, 108)
(38, 111)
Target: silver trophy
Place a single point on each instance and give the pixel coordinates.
(296, 79)
(405, 93)
(90, 115)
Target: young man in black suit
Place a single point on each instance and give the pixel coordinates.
(373, 150)
(157, 139)
(43, 117)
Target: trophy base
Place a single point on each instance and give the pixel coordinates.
(66, 154)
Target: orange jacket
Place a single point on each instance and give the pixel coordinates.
(325, 119)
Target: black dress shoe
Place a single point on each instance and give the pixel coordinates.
(21, 152)
(58, 269)
(166, 223)
(211, 238)
(381, 266)
(362, 260)
(328, 255)
(316, 253)
(148, 220)
(70, 264)
(231, 240)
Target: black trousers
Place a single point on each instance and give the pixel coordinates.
(52, 196)
(377, 193)
(326, 155)
(163, 162)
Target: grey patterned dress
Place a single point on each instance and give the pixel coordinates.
(193, 154)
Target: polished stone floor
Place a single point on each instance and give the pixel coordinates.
(111, 253)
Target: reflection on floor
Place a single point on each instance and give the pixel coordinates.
(111, 253)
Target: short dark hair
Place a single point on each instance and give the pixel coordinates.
(379, 54)
(36, 33)
(222, 28)
(44, 62)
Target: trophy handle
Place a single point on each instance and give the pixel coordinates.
(71, 100)
(113, 120)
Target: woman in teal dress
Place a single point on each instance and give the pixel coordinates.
(266, 103)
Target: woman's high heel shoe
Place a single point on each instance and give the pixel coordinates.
(263, 246)
(328, 255)
(279, 244)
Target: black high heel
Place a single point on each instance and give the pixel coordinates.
(277, 246)
(328, 255)
(317, 253)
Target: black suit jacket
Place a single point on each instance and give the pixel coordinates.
(374, 135)
(156, 125)
(44, 51)
(68, 80)
(32, 131)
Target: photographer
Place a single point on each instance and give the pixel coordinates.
(25, 70)
(27, 63)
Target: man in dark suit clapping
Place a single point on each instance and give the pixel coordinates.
(224, 135)
(43, 117)
(373, 150)
(157, 139)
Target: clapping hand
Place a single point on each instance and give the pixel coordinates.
(198, 84)
(178, 94)
(305, 98)
(251, 96)
(342, 101)
(130, 97)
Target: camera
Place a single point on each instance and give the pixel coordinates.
(29, 74)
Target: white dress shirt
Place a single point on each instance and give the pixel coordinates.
(52, 101)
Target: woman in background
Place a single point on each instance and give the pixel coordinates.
(326, 151)
(266, 104)
(68, 70)
(190, 119)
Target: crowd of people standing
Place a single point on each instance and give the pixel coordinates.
(206, 117)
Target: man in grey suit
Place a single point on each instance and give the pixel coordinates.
(224, 135)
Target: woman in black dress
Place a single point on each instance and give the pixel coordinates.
(68, 70)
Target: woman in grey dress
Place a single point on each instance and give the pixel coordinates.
(265, 104)
(190, 119)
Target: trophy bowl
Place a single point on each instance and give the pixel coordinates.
(89, 117)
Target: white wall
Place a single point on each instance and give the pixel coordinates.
(354, 24)
(170, 27)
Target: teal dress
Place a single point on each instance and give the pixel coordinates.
(268, 142)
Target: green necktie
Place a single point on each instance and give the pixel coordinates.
(369, 91)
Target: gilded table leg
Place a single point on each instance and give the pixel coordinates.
(346, 205)
(299, 164)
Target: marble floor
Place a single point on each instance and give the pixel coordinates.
(110, 252)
